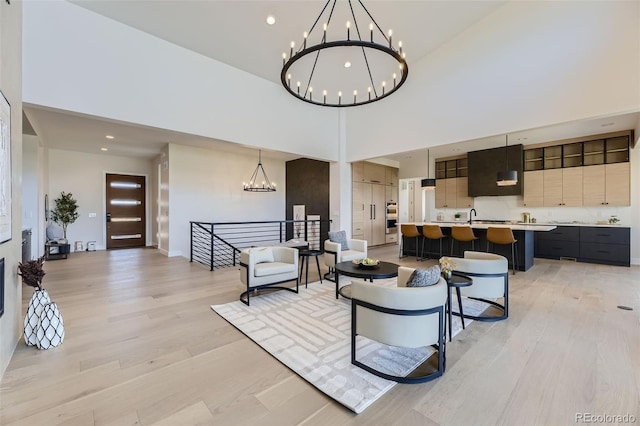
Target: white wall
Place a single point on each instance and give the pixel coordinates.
(11, 251)
(77, 60)
(206, 185)
(31, 191)
(84, 175)
(527, 65)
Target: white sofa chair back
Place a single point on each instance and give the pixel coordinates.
(490, 275)
(255, 272)
(402, 316)
(333, 253)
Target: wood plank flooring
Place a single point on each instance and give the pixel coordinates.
(143, 347)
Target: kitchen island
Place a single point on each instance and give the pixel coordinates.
(522, 232)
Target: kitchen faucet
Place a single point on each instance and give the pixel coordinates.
(471, 217)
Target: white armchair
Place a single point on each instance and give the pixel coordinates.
(267, 266)
(333, 254)
(490, 275)
(401, 316)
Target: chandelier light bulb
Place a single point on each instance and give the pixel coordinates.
(371, 31)
(305, 40)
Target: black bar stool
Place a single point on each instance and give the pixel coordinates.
(504, 236)
(409, 231)
(463, 234)
(432, 232)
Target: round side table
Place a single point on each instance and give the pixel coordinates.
(456, 281)
(305, 254)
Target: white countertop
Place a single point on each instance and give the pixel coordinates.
(612, 225)
(479, 225)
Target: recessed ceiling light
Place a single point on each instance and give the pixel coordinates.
(271, 20)
(522, 139)
(606, 124)
(109, 137)
(104, 149)
(347, 64)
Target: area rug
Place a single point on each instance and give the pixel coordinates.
(310, 332)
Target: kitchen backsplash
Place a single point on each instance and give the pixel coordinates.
(511, 208)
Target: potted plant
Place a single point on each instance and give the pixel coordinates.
(43, 325)
(457, 216)
(65, 211)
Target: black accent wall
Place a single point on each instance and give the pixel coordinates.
(484, 166)
(307, 182)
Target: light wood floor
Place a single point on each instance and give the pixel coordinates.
(142, 346)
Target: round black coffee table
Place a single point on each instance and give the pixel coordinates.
(350, 269)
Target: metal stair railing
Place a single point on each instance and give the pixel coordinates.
(218, 244)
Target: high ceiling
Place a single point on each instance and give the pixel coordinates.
(236, 33)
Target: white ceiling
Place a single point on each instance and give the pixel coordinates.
(235, 32)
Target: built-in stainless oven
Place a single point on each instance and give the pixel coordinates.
(391, 218)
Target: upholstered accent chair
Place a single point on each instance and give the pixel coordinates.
(262, 267)
(333, 253)
(402, 316)
(490, 275)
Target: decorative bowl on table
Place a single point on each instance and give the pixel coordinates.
(367, 263)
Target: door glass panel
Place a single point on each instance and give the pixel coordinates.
(125, 237)
(125, 185)
(126, 219)
(125, 202)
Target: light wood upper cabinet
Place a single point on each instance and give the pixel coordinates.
(617, 184)
(607, 184)
(392, 193)
(462, 193)
(593, 186)
(562, 187)
(357, 171)
(441, 192)
(572, 187)
(534, 188)
(374, 173)
(552, 195)
(453, 193)
(391, 176)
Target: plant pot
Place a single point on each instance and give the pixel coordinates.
(50, 329)
(39, 299)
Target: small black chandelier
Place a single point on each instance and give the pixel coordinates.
(255, 183)
(373, 67)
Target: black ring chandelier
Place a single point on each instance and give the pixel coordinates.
(299, 79)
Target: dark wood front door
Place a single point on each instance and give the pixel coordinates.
(126, 222)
